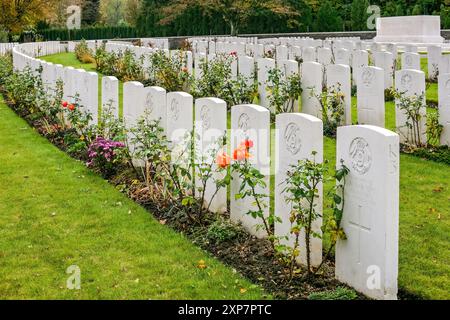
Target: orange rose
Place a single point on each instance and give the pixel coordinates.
(241, 154)
(248, 144)
(223, 160)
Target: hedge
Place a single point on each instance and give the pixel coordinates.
(90, 33)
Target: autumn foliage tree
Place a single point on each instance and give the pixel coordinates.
(15, 15)
(234, 12)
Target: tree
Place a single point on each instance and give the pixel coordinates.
(445, 15)
(112, 12)
(359, 15)
(328, 18)
(235, 12)
(90, 13)
(132, 8)
(16, 15)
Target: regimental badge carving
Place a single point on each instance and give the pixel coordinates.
(367, 77)
(406, 81)
(175, 109)
(206, 118)
(292, 138)
(360, 155)
(149, 103)
(243, 122)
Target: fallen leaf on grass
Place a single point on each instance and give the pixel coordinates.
(243, 290)
(202, 265)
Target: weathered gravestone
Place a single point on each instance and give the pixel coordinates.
(410, 83)
(338, 79)
(370, 96)
(444, 107)
(210, 128)
(312, 84)
(368, 259)
(251, 122)
(110, 95)
(298, 135)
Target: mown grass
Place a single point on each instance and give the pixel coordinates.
(424, 212)
(55, 213)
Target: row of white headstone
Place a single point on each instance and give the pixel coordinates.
(370, 81)
(368, 259)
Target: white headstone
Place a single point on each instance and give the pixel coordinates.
(91, 95)
(132, 107)
(360, 60)
(338, 78)
(210, 127)
(246, 68)
(309, 54)
(252, 122)
(264, 66)
(370, 96)
(410, 83)
(434, 57)
(385, 61)
(180, 115)
(444, 64)
(282, 53)
(110, 94)
(311, 80)
(368, 259)
(444, 107)
(298, 135)
(324, 56)
(200, 59)
(343, 56)
(155, 104)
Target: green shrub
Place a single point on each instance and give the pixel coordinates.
(222, 231)
(83, 53)
(340, 293)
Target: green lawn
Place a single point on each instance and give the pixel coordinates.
(55, 213)
(424, 212)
